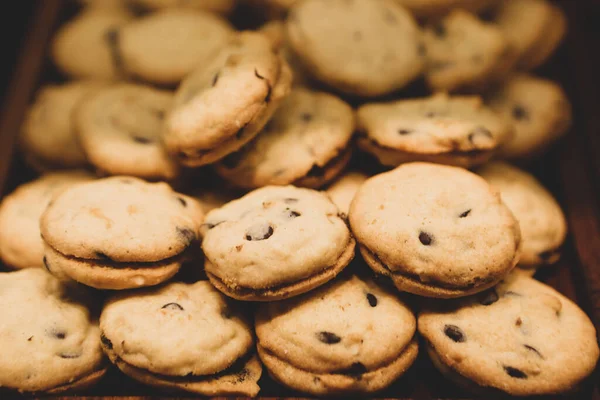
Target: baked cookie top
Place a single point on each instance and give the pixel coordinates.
(444, 225)
(119, 129)
(361, 47)
(121, 219)
(165, 46)
(434, 125)
(337, 327)
(20, 212)
(308, 130)
(272, 236)
(49, 336)
(542, 222)
(177, 329)
(522, 337)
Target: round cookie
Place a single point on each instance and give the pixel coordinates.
(455, 130)
(50, 338)
(554, 33)
(305, 143)
(218, 6)
(119, 128)
(348, 337)
(342, 191)
(436, 8)
(119, 232)
(276, 242)
(199, 342)
(165, 46)
(538, 109)
(462, 51)
(543, 224)
(360, 47)
(437, 231)
(87, 45)
(207, 121)
(20, 212)
(522, 338)
(48, 137)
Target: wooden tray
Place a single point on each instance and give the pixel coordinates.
(571, 171)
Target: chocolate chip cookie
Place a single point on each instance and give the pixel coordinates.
(543, 224)
(360, 47)
(305, 144)
(437, 231)
(119, 232)
(20, 212)
(348, 337)
(276, 242)
(455, 130)
(522, 338)
(537, 108)
(119, 128)
(165, 46)
(50, 338)
(208, 121)
(181, 336)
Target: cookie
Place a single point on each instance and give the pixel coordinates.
(306, 143)
(274, 243)
(534, 29)
(538, 110)
(200, 342)
(167, 45)
(20, 212)
(86, 46)
(119, 128)
(456, 236)
(462, 52)
(522, 338)
(543, 224)
(119, 232)
(360, 47)
(347, 338)
(50, 338)
(48, 137)
(455, 130)
(218, 6)
(207, 122)
(437, 8)
(342, 191)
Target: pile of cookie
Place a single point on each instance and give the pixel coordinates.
(280, 198)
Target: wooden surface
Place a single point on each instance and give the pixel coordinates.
(571, 171)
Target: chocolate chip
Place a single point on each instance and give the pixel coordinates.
(480, 131)
(316, 171)
(259, 232)
(102, 256)
(372, 300)
(215, 79)
(291, 214)
(404, 131)
(172, 306)
(355, 370)
(232, 160)
(425, 238)
(141, 140)
(290, 200)
(306, 117)
(46, 264)
(514, 372)
(488, 297)
(440, 30)
(69, 355)
(107, 343)
(328, 337)
(455, 333)
(56, 334)
(182, 201)
(464, 214)
(533, 349)
(30, 338)
(519, 113)
(186, 234)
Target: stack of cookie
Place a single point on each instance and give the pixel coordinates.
(214, 200)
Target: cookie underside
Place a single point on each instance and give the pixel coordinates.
(287, 290)
(329, 171)
(328, 384)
